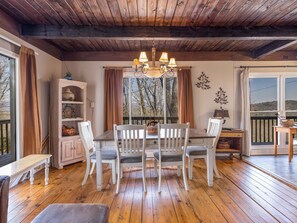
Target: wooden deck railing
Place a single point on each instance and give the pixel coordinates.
(262, 129)
(140, 120)
(4, 136)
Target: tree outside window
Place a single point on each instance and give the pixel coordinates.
(147, 97)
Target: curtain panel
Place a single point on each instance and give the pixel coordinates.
(30, 107)
(244, 103)
(185, 97)
(113, 98)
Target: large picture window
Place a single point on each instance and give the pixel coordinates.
(150, 99)
(7, 110)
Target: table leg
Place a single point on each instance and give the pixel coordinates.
(290, 146)
(32, 176)
(98, 166)
(210, 162)
(275, 139)
(46, 171)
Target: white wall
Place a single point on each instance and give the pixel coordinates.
(221, 74)
(48, 67)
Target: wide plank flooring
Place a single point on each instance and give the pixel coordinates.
(242, 194)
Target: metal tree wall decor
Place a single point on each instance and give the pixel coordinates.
(221, 97)
(203, 82)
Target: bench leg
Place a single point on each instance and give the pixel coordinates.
(46, 171)
(32, 176)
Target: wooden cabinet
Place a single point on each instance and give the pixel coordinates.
(231, 141)
(68, 107)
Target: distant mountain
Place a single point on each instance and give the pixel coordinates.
(272, 105)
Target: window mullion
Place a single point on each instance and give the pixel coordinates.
(164, 100)
(130, 101)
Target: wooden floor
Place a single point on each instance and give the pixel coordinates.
(243, 194)
(278, 166)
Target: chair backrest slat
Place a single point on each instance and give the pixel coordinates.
(175, 137)
(214, 128)
(132, 138)
(86, 135)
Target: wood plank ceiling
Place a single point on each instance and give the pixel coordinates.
(58, 16)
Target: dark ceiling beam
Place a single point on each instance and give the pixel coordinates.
(160, 33)
(180, 56)
(12, 26)
(272, 48)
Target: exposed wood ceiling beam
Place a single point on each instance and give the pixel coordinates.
(272, 47)
(180, 56)
(160, 33)
(10, 25)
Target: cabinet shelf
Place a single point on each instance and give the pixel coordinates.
(73, 102)
(72, 119)
(233, 138)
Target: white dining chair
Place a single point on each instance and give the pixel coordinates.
(200, 152)
(108, 156)
(172, 150)
(130, 143)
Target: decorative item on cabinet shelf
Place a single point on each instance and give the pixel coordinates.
(152, 127)
(68, 112)
(68, 131)
(68, 76)
(68, 95)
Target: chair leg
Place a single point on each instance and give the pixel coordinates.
(143, 175)
(113, 171)
(155, 168)
(190, 167)
(178, 171)
(93, 167)
(119, 178)
(121, 173)
(87, 171)
(160, 176)
(185, 174)
(216, 170)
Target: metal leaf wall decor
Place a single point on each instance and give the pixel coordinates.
(203, 82)
(221, 97)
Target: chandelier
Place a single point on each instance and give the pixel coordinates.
(142, 67)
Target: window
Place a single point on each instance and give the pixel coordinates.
(7, 110)
(263, 109)
(147, 99)
(270, 96)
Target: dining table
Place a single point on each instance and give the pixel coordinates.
(196, 138)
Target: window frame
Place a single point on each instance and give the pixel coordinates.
(129, 76)
(281, 77)
(14, 103)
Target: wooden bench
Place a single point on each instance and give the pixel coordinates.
(24, 165)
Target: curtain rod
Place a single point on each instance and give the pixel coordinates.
(267, 66)
(123, 67)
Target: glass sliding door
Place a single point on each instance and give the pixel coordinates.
(264, 107)
(7, 110)
(291, 98)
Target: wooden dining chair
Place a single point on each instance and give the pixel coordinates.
(200, 152)
(108, 156)
(172, 150)
(130, 143)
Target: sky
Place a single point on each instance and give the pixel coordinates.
(265, 89)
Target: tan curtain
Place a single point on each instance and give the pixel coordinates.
(113, 98)
(31, 118)
(185, 97)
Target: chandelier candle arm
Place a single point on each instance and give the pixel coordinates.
(141, 65)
